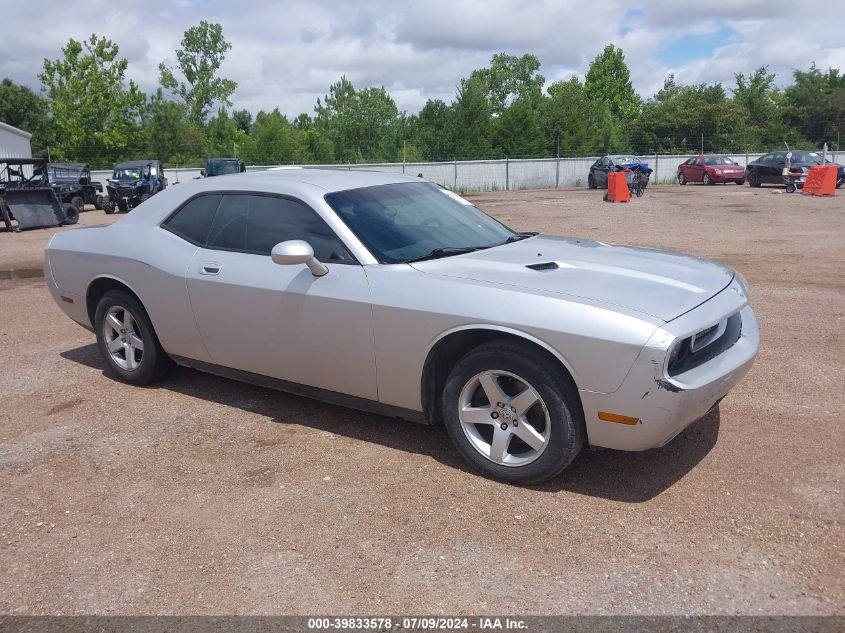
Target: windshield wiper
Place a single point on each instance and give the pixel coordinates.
(445, 251)
(520, 236)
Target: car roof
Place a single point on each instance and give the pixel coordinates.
(69, 165)
(328, 180)
(136, 163)
(615, 156)
(23, 161)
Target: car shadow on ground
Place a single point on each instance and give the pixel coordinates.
(612, 475)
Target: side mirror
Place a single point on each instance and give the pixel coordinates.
(297, 252)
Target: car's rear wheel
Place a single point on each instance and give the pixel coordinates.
(98, 202)
(682, 180)
(706, 178)
(753, 179)
(511, 413)
(127, 340)
(78, 202)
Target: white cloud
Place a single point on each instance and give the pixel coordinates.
(286, 54)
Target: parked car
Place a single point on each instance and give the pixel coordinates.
(615, 162)
(72, 183)
(710, 169)
(768, 169)
(132, 183)
(389, 294)
(222, 166)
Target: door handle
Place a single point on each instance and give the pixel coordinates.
(210, 269)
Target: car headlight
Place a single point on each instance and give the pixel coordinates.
(718, 171)
(743, 283)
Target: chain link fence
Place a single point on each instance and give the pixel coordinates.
(491, 175)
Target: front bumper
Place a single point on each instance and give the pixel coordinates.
(736, 177)
(666, 406)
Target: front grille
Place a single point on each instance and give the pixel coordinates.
(705, 345)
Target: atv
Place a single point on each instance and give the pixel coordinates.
(27, 197)
(72, 183)
(132, 183)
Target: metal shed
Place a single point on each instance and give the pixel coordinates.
(14, 143)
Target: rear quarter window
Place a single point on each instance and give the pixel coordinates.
(193, 221)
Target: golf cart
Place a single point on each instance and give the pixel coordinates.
(222, 166)
(27, 197)
(132, 183)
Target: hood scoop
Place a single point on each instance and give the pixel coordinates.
(543, 266)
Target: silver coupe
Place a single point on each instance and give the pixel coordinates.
(387, 293)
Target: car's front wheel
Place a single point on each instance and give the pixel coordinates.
(127, 340)
(591, 182)
(753, 179)
(682, 180)
(706, 179)
(511, 412)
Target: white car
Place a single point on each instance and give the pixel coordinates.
(386, 293)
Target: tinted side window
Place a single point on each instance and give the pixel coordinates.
(193, 220)
(229, 228)
(255, 224)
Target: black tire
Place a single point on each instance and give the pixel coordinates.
(591, 182)
(838, 184)
(753, 179)
(108, 207)
(71, 213)
(98, 202)
(123, 206)
(154, 362)
(682, 180)
(78, 202)
(790, 188)
(567, 431)
(705, 179)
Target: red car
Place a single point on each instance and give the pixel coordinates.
(710, 169)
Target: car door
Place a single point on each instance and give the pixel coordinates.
(602, 170)
(282, 321)
(697, 170)
(773, 168)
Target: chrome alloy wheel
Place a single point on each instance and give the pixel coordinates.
(123, 338)
(504, 418)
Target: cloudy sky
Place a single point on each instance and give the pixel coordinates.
(285, 54)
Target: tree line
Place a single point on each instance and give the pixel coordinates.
(88, 111)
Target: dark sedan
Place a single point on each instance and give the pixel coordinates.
(768, 169)
(614, 162)
(710, 169)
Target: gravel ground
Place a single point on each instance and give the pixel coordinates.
(205, 496)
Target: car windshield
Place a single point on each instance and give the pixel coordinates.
(411, 221)
(718, 160)
(128, 173)
(801, 156)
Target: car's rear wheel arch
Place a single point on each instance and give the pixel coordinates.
(454, 345)
(99, 287)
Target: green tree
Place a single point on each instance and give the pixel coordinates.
(243, 119)
(273, 141)
(814, 105)
(516, 131)
(470, 123)
(574, 125)
(25, 110)
(509, 78)
(203, 49)
(430, 131)
(94, 113)
(224, 135)
(608, 81)
(756, 94)
(170, 136)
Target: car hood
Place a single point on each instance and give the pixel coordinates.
(656, 283)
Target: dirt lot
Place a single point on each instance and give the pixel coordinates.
(202, 495)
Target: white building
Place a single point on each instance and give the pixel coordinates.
(14, 143)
